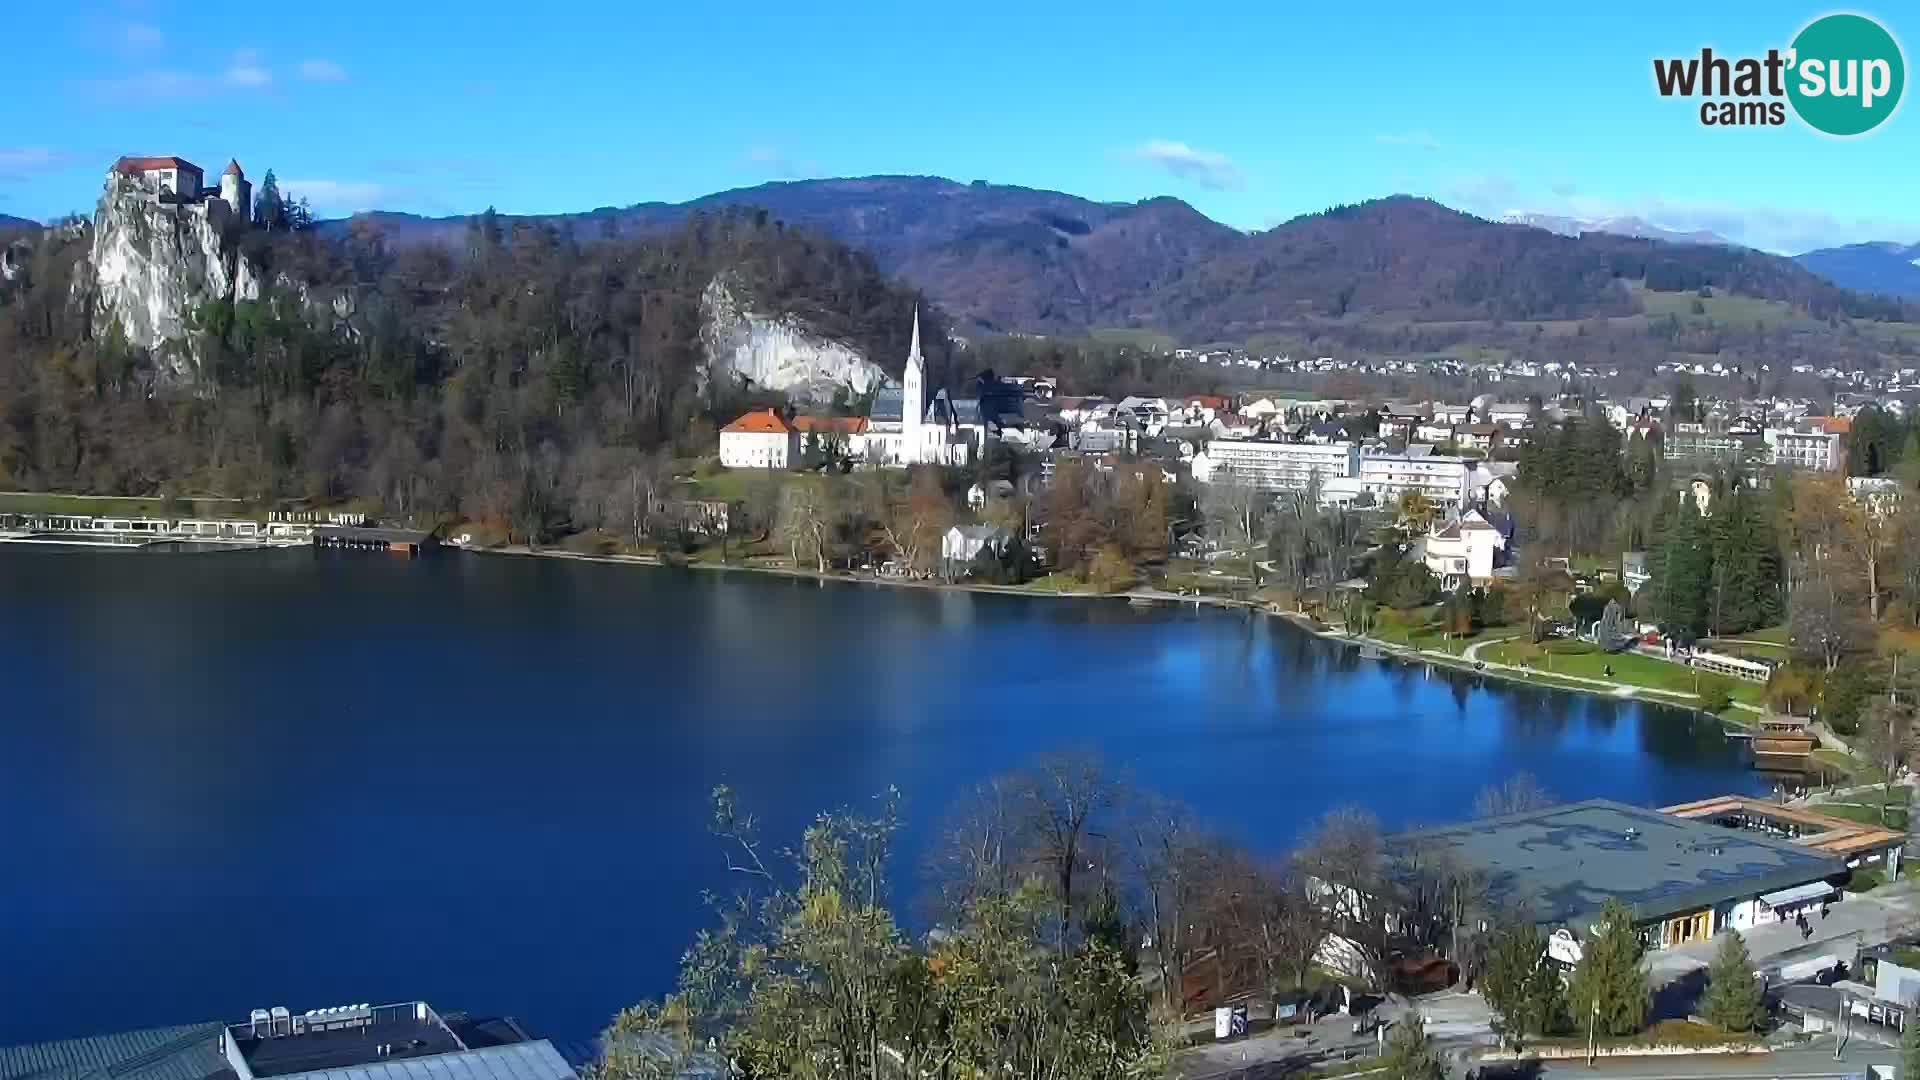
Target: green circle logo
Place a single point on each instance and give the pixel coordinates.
(1847, 74)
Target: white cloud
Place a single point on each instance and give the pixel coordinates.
(20, 161)
(247, 72)
(1208, 168)
(338, 195)
(1414, 140)
(141, 37)
(318, 70)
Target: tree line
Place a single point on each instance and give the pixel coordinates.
(490, 386)
(1076, 919)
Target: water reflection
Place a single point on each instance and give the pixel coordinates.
(219, 747)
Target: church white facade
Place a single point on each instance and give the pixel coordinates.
(909, 429)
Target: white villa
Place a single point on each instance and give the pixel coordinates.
(1463, 550)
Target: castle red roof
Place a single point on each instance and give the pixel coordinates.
(134, 166)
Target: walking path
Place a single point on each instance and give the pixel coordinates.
(1867, 918)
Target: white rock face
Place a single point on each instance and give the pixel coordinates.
(777, 352)
(153, 262)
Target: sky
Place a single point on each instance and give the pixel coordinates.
(1253, 113)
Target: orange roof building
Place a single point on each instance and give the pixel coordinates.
(759, 421)
(830, 425)
(761, 439)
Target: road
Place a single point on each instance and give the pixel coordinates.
(1813, 1061)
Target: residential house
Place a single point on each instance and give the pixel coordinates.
(963, 543)
(1464, 549)
(1485, 438)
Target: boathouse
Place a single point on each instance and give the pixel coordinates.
(408, 542)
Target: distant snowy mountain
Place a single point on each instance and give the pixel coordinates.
(1615, 226)
(1889, 268)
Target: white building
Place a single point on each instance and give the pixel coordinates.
(178, 180)
(1806, 449)
(1276, 466)
(759, 440)
(907, 428)
(1463, 550)
(1443, 480)
(962, 543)
(175, 176)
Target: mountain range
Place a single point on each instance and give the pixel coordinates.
(1617, 226)
(9, 223)
(999, 258)
(1890, 268)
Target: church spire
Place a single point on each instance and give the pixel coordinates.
(913, 351)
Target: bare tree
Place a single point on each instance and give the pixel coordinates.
(1886, 735)
(1827, 616)
(1235, 511)
(1517, 795)
(1164, 837)
(809, 518)
(980, 851)
(1345, 862)
(1061, 799)
(915, 521)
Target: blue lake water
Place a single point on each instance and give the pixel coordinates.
(246, 779)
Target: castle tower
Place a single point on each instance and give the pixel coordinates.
(913, 401)
(236, 191)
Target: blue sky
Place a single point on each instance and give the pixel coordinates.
(1253, 113)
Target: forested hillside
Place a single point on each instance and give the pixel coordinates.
(1012, 259)
(510, 382)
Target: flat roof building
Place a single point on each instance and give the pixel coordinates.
(405, 1041)
(1683, 878)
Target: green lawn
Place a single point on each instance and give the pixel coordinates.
(1722, 307)
(1151, 340)
(1586, 660)
(50, 503)
(1060, 583)
(1864, 813)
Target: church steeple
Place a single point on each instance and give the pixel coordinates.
(913, 398)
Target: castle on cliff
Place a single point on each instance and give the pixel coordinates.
(179, 181)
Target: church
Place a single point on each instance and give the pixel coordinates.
(906, 428)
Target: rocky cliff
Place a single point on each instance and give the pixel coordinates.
(776, 352)
(152, 262)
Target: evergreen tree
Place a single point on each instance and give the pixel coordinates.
(1732, 1000)
(1609, 984)
(1681, 562)
(269, 206)
(1521, 987)
(1746, 565)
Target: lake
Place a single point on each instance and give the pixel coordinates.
(247, 779)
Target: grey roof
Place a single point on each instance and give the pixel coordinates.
(370, 534)
(536, 1060)
(887, 404)
(181, 1052)
(959, 410)
(1565, 861)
